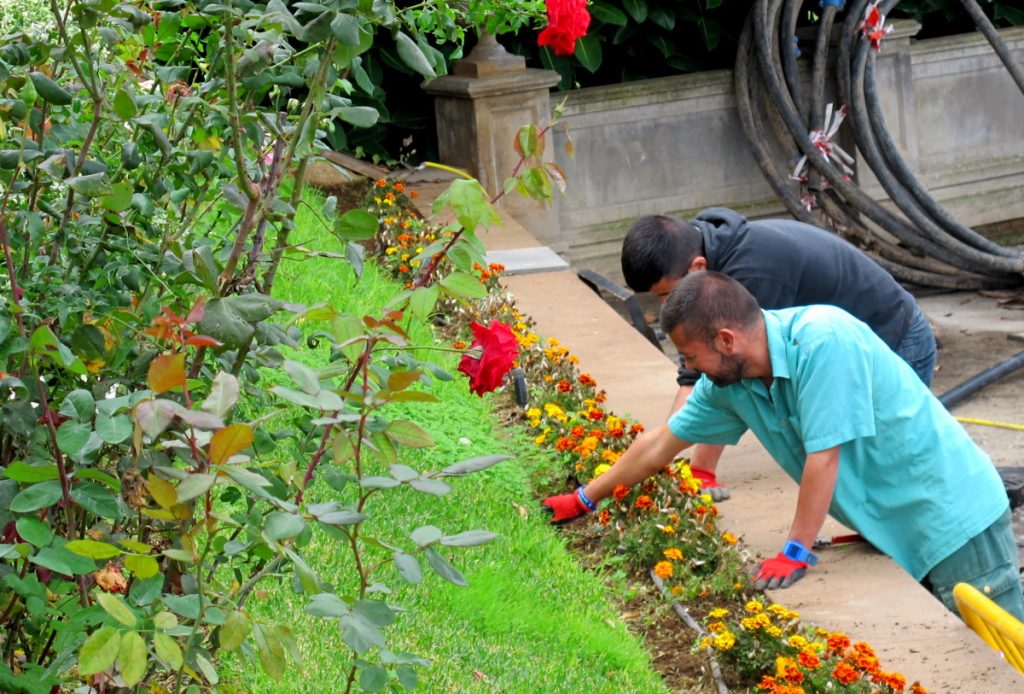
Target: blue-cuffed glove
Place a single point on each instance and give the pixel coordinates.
(778, 572)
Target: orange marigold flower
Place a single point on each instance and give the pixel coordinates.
(381, 183)
(616, 432)
(399, 187)
(729, 538)
(587, 380)
(767, 683)
(563, 444)
(916, 688)
(793, 674)
(564, 386)
(808, 659)
(845, 673)
(837, 642)
(496, 268)
(595, 414)
(663, 569)
(459, 344)
(620, 492)
(413, 194)
(604, 517)
(578, 432)
(673, 553)
(644, 501)
(636, 429)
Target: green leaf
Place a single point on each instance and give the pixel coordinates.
(78, 405)
(96, 499)
(469, 538)
(429, 486)
(186, 606)
(711, 31)
(465, 467)
(360, 634)
(426, 535)
(72, 437)
(132, 658)
(37, 496)
(120, 197)
(223, 394)
(303, 376)
(93, 549)
(637, 10)
(342, 517)
(279, 525)
(63, 562)
(463, 285)
(194, 485)
(408, 567)
(34, 531)
(23, 472)
(124, 105)
(357, 225)
(49, 91)
(234, 630)
(409, 434)
(270, 650)
(99, 651)
(470, 202)
(403, 473)
(91, 185)
(167, 650)
(359, 116)
(607, 13)
(444, 569)
(116, 608)
(412, 55)
(373, 678)
(327, 605)
(423, 301)
(164, 621)
(206, 667)
(113, 429)
(588, 51)
(376, 612)
(141, 566)
(346, 29)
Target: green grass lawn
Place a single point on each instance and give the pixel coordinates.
(530, 620)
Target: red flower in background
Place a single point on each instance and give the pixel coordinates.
(567, 21)
(498, 352)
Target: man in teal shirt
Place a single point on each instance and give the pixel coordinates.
(849, 421)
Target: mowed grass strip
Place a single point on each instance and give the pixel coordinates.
(530, 620)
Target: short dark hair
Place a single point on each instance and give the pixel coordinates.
(704, 302)
(657, 246)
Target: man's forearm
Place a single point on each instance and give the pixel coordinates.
(816, 488)
(652, 451)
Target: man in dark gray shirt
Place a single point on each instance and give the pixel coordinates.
(783, 263)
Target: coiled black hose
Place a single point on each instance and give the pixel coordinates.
(919, 241)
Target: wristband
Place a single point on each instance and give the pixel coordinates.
(797, 552)
(584, 500)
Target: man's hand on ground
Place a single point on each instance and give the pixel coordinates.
(709, 484)
(778, 572)
(563, 508)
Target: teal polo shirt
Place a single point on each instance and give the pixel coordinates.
(911, 480)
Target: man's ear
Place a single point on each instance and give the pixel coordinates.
(725, 341)
(697, 264)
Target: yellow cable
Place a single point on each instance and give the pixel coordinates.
(989, 423)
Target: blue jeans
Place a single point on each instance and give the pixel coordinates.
(918, 348)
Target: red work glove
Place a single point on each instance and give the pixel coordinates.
(564, 508)
(778, 572)
(709, 484)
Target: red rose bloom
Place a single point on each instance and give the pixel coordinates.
(499, 351)
(567, 21)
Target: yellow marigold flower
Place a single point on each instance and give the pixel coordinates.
(717, 627)
(667, 529)
(673, 518)
(677, 590)
(542, 437)
(782, 663)
(673, 553)
(750, 624)
(610, 455)
(548, 378)
(774, 631)
(390, 250)
(551, 341)
(573, 359)
(612, 421)
(718, 613)
(706, 642)
(754, 606)
(816, 647)
(419, 249)
(777, 609)
(535, 423)
(533, 413)
(663, 569)
(553, 410)
(797, 641)
(601, 469)
(706, 499)
(724, 641)
(729, 538)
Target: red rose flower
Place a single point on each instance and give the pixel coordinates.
(567, 21)
(498, 352)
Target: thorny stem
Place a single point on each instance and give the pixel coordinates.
(9, 260)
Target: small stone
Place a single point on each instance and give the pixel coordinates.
(988, 590)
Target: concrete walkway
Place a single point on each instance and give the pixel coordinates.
(854, 589)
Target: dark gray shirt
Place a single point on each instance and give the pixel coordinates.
(786, 263)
